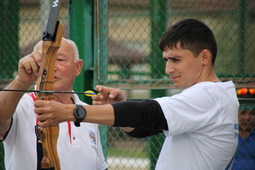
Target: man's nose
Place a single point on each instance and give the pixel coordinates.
(169, 68)
(55, 68)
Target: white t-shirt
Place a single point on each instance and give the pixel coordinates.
(203, 127)
(78, 148)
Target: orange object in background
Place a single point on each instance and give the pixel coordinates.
(246, 92)
(242, 91)
(252, 91)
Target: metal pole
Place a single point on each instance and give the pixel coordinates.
(243, 13)
(158, 26)
(81, 32)
(101, 39)
(88, 30)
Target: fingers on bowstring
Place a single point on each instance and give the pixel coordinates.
(103, 89)
(109, 92)
(97, 102)
(96, 97)
(115, 93)
(99, 88)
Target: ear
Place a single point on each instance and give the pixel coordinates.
(206, 57)
(79, 65)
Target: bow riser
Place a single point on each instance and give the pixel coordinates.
(45, 79)
(45, 82)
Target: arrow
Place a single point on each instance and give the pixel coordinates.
(86, 93)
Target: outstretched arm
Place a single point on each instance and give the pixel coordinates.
(52, 113)
(142, 114)
(28, 70)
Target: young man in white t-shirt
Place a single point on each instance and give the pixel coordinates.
(200, 123)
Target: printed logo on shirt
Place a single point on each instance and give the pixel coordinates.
(236, 130)
(92, 137)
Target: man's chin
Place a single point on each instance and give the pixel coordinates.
(179, 86)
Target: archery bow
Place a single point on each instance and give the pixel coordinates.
(51, 42)
(86, 93)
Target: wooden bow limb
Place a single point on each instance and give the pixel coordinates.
(45, 81)
(49, 139)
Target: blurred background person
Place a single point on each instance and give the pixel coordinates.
(245, 155)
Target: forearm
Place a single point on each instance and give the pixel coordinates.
(103, 114)
(100, 114)
(8, 103)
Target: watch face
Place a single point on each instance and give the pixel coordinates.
(80, 112)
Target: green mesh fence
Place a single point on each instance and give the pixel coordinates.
(135, 27)
(134, 62)
(1, 156)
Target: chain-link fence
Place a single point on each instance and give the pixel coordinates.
(135, 27)
(1, 156)
(246, 148)
(134, 62)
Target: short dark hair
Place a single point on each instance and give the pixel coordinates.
(192, 34)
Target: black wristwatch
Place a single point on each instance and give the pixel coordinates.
(79, 114)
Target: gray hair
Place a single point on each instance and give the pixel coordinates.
(73, 45)
(75, 49)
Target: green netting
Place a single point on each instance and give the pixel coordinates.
(136, 26)
(133, 61)
(1, 156)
